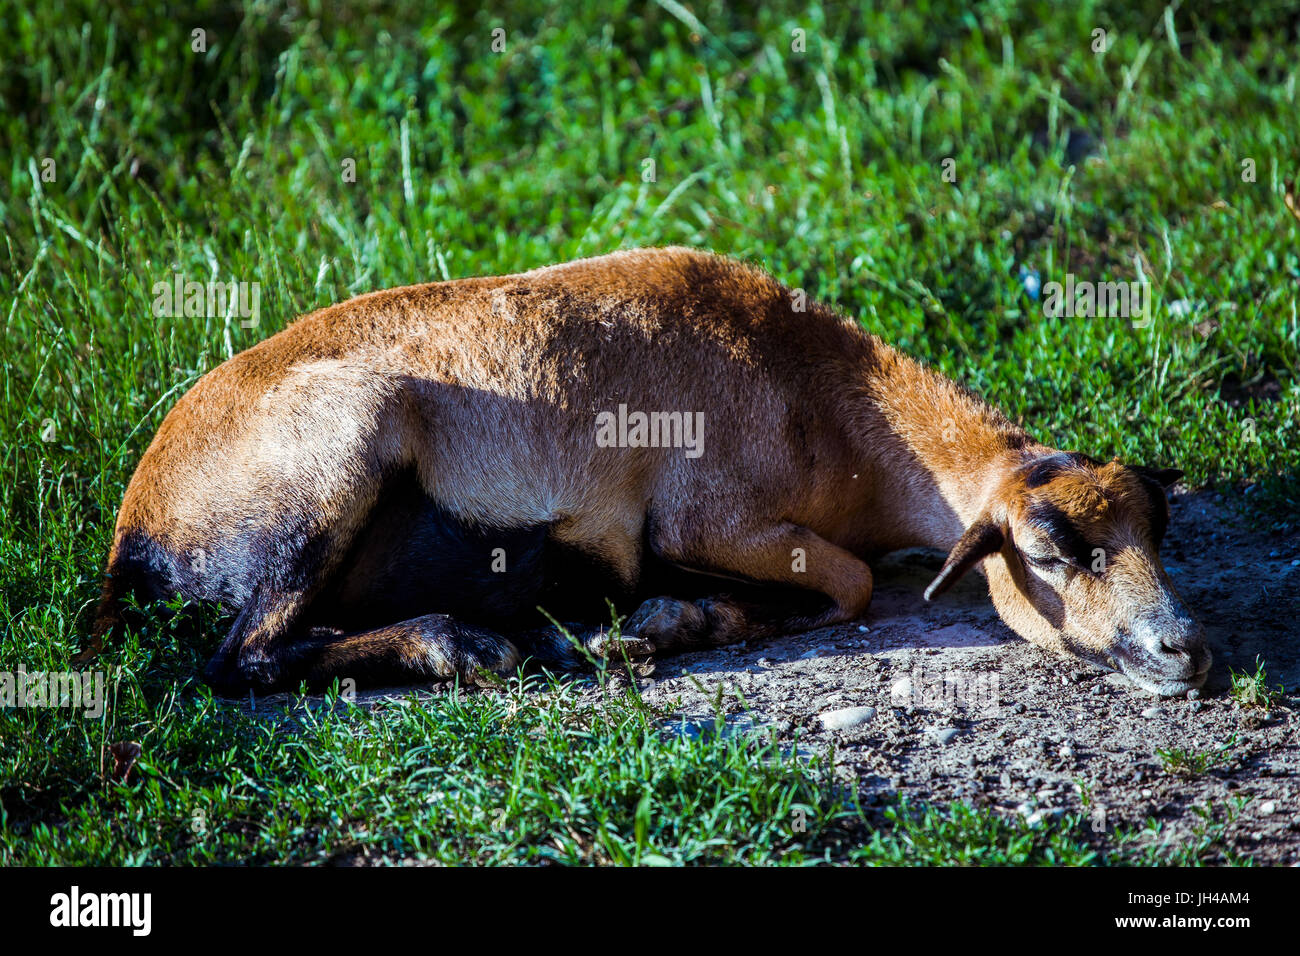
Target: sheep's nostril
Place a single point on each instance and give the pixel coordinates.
(1176, 644)
(1187, 643)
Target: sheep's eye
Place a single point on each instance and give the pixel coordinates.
(1046, 561)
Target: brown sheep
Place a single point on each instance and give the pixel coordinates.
(388, 489)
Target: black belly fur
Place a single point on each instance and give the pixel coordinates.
(415, 557)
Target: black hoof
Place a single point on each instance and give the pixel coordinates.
(231, 678)
(665, 622)
(221, 676)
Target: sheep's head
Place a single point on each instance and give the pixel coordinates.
(1071, 549)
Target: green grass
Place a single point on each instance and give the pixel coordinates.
(534, 773)
(825, 166)
(512, 777)
(1193, 763)
(1253, 690)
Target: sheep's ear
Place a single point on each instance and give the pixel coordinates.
(980, 540)
(1165, 476)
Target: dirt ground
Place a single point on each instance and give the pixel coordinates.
(964, 709)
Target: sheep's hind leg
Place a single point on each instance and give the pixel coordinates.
(431, 647)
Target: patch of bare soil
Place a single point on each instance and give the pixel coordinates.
(964, 709)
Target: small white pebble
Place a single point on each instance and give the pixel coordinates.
(900, 692)
(846, 717)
